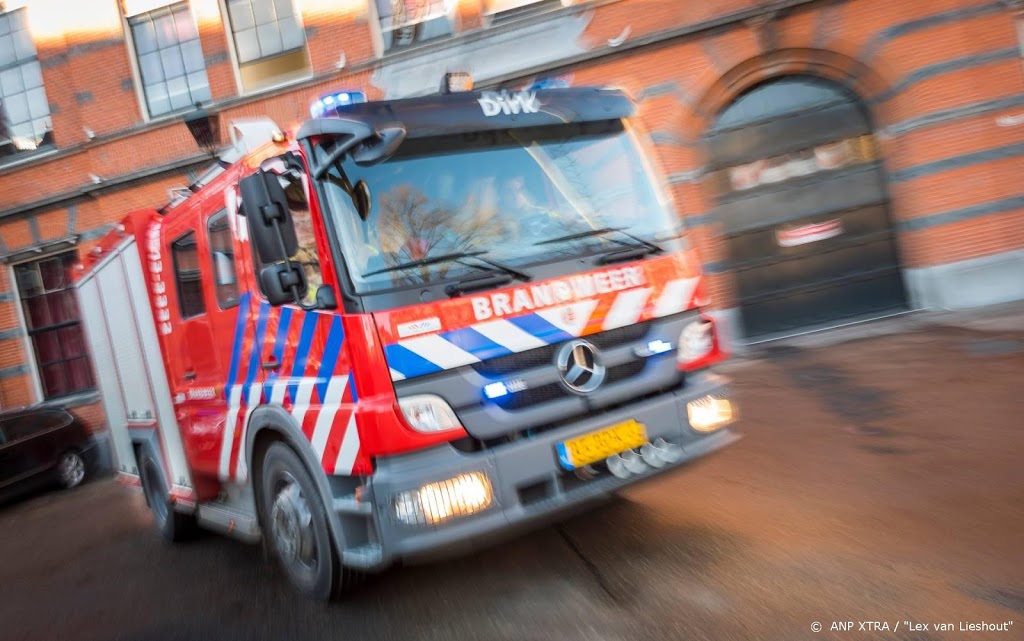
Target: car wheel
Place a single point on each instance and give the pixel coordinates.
(294, 522)
(172, 525)
(71, 469)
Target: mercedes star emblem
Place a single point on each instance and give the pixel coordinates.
(578, 364)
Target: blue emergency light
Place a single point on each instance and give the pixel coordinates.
(329, 104)
(501, 389)
(653, 348)
(548, 83)
(495, 390)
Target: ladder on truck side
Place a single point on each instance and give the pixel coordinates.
(121, 333)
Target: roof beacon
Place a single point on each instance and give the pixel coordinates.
(457, 81)
(329, 104)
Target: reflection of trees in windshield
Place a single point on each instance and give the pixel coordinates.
(413, 227)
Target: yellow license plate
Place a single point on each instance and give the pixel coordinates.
(599, 445)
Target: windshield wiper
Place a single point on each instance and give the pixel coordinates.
(583, 234)
(458, 257)
(498, 274)
(511, 271)
(423, 262)
(626, 253)
(647, 246)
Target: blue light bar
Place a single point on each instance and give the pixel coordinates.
(659, 346)
(495, 390)
(548, 83)
(328, 104)
(653, 348)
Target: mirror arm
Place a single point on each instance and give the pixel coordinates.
(340, 150)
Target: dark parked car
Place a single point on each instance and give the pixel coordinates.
(40, 445)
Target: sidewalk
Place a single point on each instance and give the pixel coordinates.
(1005, 321)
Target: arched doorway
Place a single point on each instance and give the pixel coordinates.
(802, 199)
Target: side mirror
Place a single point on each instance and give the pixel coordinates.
(364, 202)
(270, 221)
(283, 284)
(380, 147)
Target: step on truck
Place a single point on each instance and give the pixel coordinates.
(405, 330)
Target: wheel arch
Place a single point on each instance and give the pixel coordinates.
(271, 423)
(143, 439)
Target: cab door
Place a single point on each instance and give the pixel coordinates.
(196, 364)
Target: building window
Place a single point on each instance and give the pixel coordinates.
(407, 22)
(502, 9)
(170, 58)
(270, 43)
(25, 123)
(54, 325)
(222, 253)
(185, 253)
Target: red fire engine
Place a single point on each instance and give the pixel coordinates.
(409, 327)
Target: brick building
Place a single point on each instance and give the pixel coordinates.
(834, 159)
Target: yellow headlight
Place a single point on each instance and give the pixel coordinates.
(709, 413)
(463, 495)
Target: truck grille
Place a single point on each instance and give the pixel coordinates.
(556, 391)
(512, 363)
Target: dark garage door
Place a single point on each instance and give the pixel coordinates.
(802, 201)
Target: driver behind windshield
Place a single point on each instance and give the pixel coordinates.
(532, 219)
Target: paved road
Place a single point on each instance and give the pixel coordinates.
(881, 480)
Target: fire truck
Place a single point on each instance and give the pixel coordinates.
(405, 330)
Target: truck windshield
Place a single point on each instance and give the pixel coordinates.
(518, 197)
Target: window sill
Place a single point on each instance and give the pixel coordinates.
(167, 118)
(29, 157)
(40, 250)
(255, 94)
(77, 399)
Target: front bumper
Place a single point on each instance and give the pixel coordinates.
(530, 487)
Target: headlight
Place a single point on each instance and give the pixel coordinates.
(696, 341)
(428, 413)
(708, 413)
(435, 502)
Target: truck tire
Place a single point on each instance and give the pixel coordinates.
(172, 525)
(295, 525)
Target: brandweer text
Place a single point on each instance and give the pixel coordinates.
(556, 292)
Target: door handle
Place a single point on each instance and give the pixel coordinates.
(189, 376)
(273, 363)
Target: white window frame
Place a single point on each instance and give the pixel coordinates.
(225, 18)
(4, 9)
(378, 29)
(133, 61)
(1019, 20)
(490, 15)
(26, 340)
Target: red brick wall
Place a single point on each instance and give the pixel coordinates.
(93, 87)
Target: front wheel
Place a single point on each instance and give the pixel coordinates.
(295, 524)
